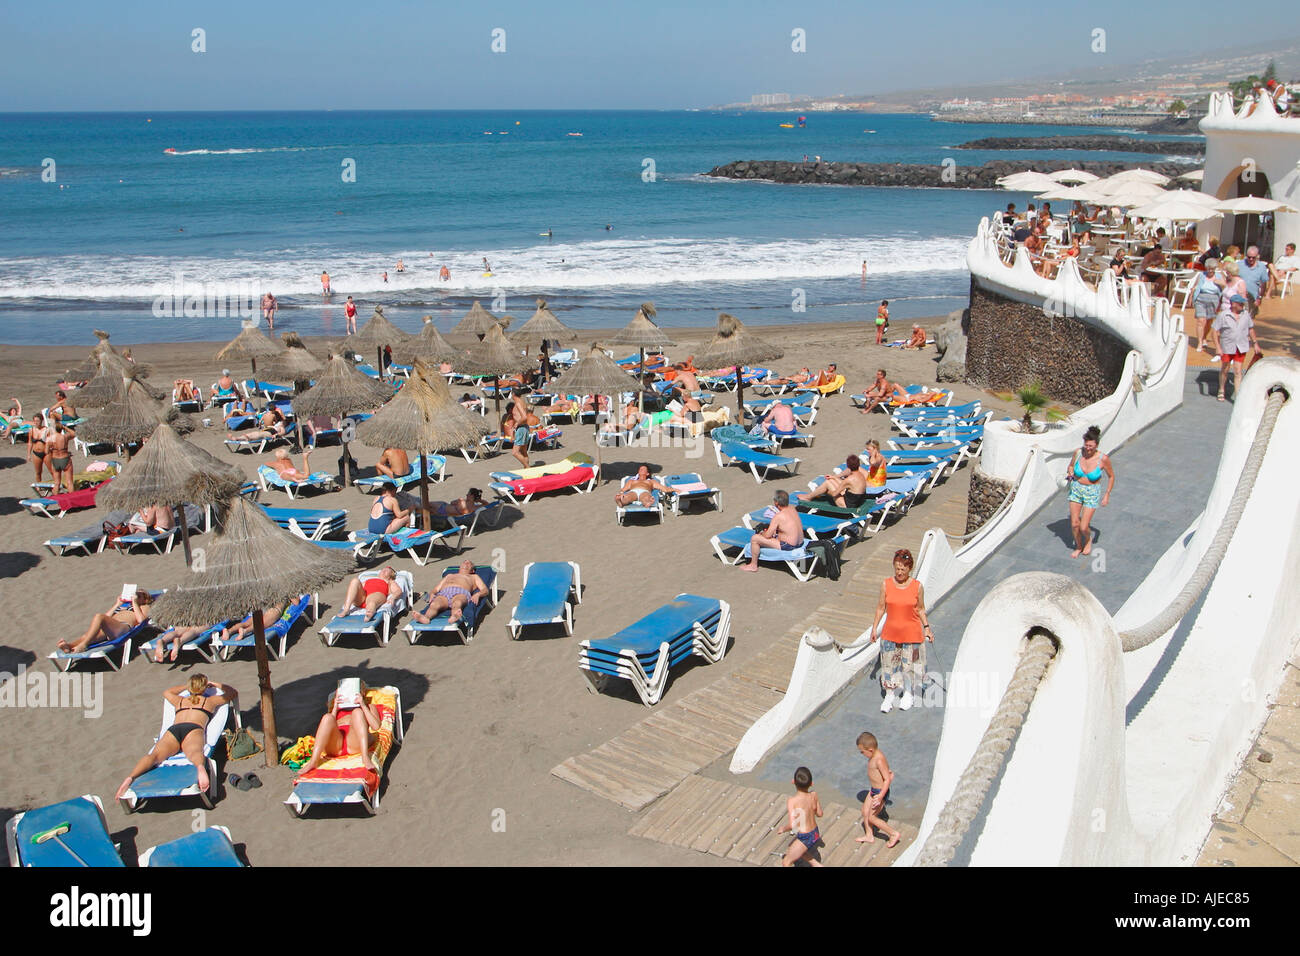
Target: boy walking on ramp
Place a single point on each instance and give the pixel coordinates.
(879, 777)
(802, 811)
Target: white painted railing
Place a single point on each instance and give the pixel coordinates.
(1123, 758)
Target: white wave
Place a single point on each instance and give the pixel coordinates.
(607, 264)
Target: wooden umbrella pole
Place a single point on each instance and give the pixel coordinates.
(179, 510)
(347, 471)
(424, 494)
(271, 742)
(740, 395)
(641, 392)
(496, 386)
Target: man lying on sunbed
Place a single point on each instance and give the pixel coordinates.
(454, 592)
(113, 623)
(270, 424)
(640, 489)
(801, 377)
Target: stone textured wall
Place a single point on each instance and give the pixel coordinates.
(1009, 344)
(984, 497)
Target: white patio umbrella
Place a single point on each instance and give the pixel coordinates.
(1087, 192)
(1175, 210)
(1252, 205)
(1190, 195)
(1195, 176)
(1132, 194)
(1139, 175)
(1027, 182)
(1073, 176)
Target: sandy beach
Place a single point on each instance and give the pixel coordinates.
(484, 722)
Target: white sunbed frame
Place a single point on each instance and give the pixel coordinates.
(514, 627)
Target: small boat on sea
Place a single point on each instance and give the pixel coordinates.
(787, 125)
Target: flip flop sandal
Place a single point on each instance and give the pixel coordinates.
(252, 781)
(238, 782)
(1222, 398)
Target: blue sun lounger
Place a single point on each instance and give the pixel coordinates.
(277, 631)
(550, 590)
(89, 539)
(268, 390)
(689, 488)
(201, 644)
(732, 453)
(436, 465)
(801, 561)
(310, 523)
(86, 842)
(210, 847)
(269, 478)
(467, 626)
(656, 506)
(645, 651)
(815, 526)
(416, 542)
(380, 626)
(931, 412)
(176, 777)
(255, 446)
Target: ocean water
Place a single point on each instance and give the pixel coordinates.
(158, 226)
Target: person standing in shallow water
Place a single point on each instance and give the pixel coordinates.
(1085, 471)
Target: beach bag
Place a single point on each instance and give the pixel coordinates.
(830, 556)
(352, 466)
(114, 531)
(240, 744)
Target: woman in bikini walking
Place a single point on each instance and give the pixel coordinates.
(194, 709)
(1084, 473)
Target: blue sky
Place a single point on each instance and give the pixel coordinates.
(284, 54)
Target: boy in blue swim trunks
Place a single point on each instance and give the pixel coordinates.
(785, 531)
(880, 778)
(802, 811)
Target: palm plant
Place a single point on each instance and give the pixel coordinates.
(1031, 399)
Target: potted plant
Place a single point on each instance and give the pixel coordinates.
(1031, 399)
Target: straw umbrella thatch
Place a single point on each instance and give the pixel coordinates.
(298, 365)
(478, 321)
(339, 391)
(377, 333)
(251, 564)
(733, 344)
(595, 374)
(494, 356)
(106, 384)
(130, 417)
(426, 419)
(641, 333)
(169, 469)
(541, 328)
(250, 344)
(90, 368)
(429, 346)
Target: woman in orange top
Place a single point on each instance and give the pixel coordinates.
(906, 632)
(876, 465)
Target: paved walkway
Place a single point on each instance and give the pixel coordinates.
(1162, 478)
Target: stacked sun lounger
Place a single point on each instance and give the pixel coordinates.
(310, 523)
(82, 831)
(345, 780)
(643, 653)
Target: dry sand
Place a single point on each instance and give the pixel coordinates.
(485, 722)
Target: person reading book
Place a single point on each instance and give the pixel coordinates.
(346, 729)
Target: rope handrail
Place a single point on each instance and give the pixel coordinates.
(973, 786)
(1140, 637)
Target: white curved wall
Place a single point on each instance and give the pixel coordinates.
(1081, 787)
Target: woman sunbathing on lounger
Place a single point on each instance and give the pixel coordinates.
(177, 637)
(183, 390)
(371, 594)
(239, 408)
(690, 412)
(343, 731)
(282, 464)
(244, 628)
(454, 592)
(460, 506)
(270, 425)
(113, 623)
(188, 733)
(387, 514)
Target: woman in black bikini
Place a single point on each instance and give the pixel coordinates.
(193, 712)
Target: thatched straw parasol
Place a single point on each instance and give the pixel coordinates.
(169, 469)
(494, 356)
(428, 346)
(250, 565)
(129, 418)
(339, 391)
(295, 363)
(596, 374)
(250, 344)
(642, 334)
(377, 333)
(426, 419)
(90, 368)
(735, 345)
(479, 321)
(543, 327)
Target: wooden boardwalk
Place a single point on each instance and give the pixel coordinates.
(664, 751)
(740, 823)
